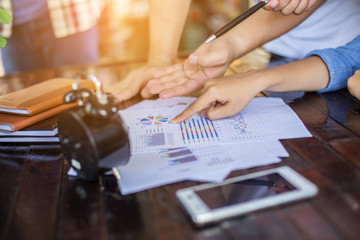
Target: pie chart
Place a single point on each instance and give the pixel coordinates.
(153, 120)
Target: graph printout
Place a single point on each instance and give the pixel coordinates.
(263, 119)
(201, 163)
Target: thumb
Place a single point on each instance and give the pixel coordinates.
(228, 109)
(123, 96)
(208, 59)
(218, 112)
(271, 5)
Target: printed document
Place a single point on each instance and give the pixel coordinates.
(263, 119)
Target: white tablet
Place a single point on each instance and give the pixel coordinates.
(214, 202)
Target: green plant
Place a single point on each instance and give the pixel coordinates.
(5, 17)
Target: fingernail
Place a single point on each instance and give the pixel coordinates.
(164, 95)
(156, 89)
(150, 83)
(274, 3)
(193, 59)
(119, 97)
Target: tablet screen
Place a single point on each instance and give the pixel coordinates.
(245, 191)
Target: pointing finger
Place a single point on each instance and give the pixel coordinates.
(201, 103)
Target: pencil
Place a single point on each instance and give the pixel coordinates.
(236, 21)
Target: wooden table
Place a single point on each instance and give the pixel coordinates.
(38, 200)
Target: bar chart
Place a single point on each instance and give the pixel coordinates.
(173, 157)
(197, 130)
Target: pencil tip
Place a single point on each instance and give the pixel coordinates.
(211, 38)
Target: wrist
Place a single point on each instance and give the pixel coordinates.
(267, 79)
(234, 47)
(237, 46)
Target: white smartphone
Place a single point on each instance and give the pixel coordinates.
(213, 202)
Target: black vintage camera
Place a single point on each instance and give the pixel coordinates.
(92, 135)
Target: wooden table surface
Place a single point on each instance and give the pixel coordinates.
(38, 200)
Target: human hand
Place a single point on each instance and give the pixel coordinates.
(287, 7)
(135, 82)
(353, 84)
(208, 61)
(224, 97)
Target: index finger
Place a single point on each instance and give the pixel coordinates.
(201, 103)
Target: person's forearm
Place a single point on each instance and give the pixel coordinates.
(262, 27)
(310, 74)
(167, 20)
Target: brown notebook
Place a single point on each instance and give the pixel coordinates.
(39, 97)
(11, 123)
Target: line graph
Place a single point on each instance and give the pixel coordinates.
(239, 124)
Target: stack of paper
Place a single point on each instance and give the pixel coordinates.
(201, 149)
